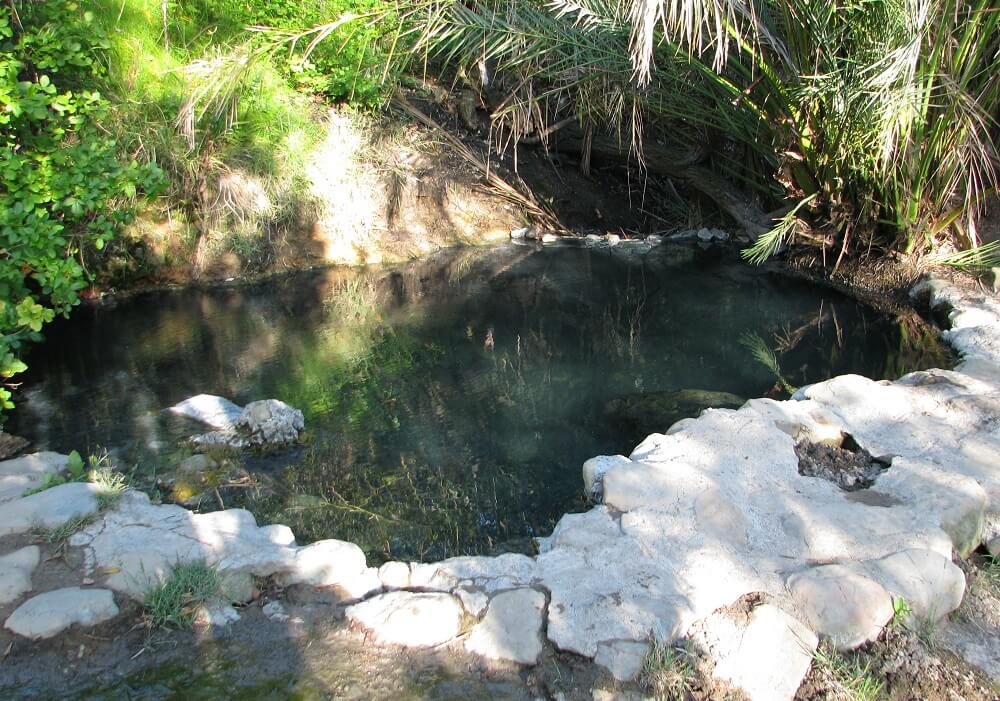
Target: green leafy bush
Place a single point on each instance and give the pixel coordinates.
(63, 188)
(346, 66)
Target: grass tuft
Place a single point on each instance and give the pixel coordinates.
(991, 571)
(667, 672)
(175, 603)
(60, 534)
(852, 678)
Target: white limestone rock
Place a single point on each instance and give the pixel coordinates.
(274, 611)
(473, 601)
(28, 472)
(766, 656)
(141, 542)
(216, 613)
(594, 471)
(50, 508)
(931, 585)
(394, 575)
(270, 423)
(15, 573)
(333, 563)
(49, 614)
(217, 412)
(842, 604)
(938, 496)
(412, 619)
(511, 629)
(623, 658)
(489, 574)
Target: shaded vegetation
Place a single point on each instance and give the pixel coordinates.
(861, 123)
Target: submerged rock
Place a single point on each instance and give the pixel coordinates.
(49, 614)
(656, 411)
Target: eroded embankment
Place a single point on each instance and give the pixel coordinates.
(713, 513)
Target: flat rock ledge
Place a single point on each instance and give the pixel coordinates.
(49, 614)
(710, 513)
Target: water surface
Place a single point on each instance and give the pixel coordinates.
(450, 402)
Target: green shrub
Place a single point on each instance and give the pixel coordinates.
(64, 190)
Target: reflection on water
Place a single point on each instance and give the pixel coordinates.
(449, 403)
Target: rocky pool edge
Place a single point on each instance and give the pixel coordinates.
(694, 521)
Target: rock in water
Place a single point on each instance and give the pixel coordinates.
(270, 423)
(655, 412)
(217, 412)
(11, 445)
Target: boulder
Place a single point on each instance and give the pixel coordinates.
(270, 423)
(216, 613)
(10, 445)
(217, 412)
(332, 563)
(141, 542)
(594, 471)
(394, 575)
(49, 614)
(50, 508)
(512, 627)
(623, 658)
(412, 619)
(841, 604)
(473, 601)
(15, 573)
(766, 655)
(28, 472)
(931, 585)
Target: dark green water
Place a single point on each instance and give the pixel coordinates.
(450, 402)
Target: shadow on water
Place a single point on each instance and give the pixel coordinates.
(450, 402)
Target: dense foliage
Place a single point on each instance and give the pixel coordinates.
(866, 122)
(64, 187)
(345, 66)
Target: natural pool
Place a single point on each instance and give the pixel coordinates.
(449, 402)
